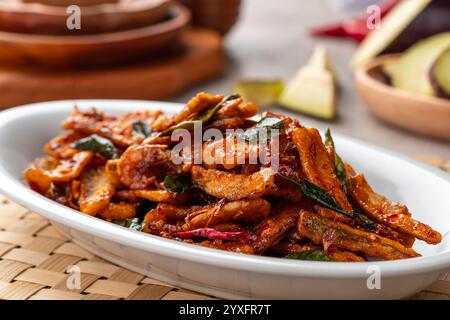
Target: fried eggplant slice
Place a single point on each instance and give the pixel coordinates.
(229, 153)
(194, 107)
(274, 228)
(60, 147)
(246, 210)
(117, 211)
(381, 209)
(236, 109)
(38, 180)
(69, 169)
(96, 191)
(112, 172)
(289, 165)
(222, 184)
(232, 246)
(167, 217)
(339, 236)
(141, 165)
(286, 247)
(64, 170)
(88, 122)
(227, 124)
(317, 164)
(197, 105)
(119, 130)
(152, 195)
(379, 229)
(344, 256)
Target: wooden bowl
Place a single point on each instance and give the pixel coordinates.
(219, 15)
(37, 18)
(66, 3)
(93, 50)
(419, 113)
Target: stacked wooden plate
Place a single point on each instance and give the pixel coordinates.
(127, 49)
(36, 32)
(219, 15)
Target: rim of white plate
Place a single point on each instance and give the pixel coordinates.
(13, 188)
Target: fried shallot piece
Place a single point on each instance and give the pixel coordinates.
(246, 210)
(96, 191)
(222, 184)
(141, 165)
(317, 164)
(339, 236)
(274, 228)
(381, 209)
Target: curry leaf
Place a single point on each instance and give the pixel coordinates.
(133, 224)
(310, 255)
(97, 144)
(365, 220)
(203, 118)
(339, 165)
(321, 196)
(176, 184)
(265, 126)
(144, 207)
(317, 194)
(141, 128)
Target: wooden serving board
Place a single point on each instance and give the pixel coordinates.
(200, 57)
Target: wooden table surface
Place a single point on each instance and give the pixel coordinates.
(271, 42)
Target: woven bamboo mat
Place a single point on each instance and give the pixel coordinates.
(34, 261)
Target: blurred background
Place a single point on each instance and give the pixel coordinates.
(167, 50)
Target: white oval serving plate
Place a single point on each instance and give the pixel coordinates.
(426, 191)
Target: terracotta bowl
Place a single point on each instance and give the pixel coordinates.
(219, 15)
(101, 16)
(419, 113)
(93, 50)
